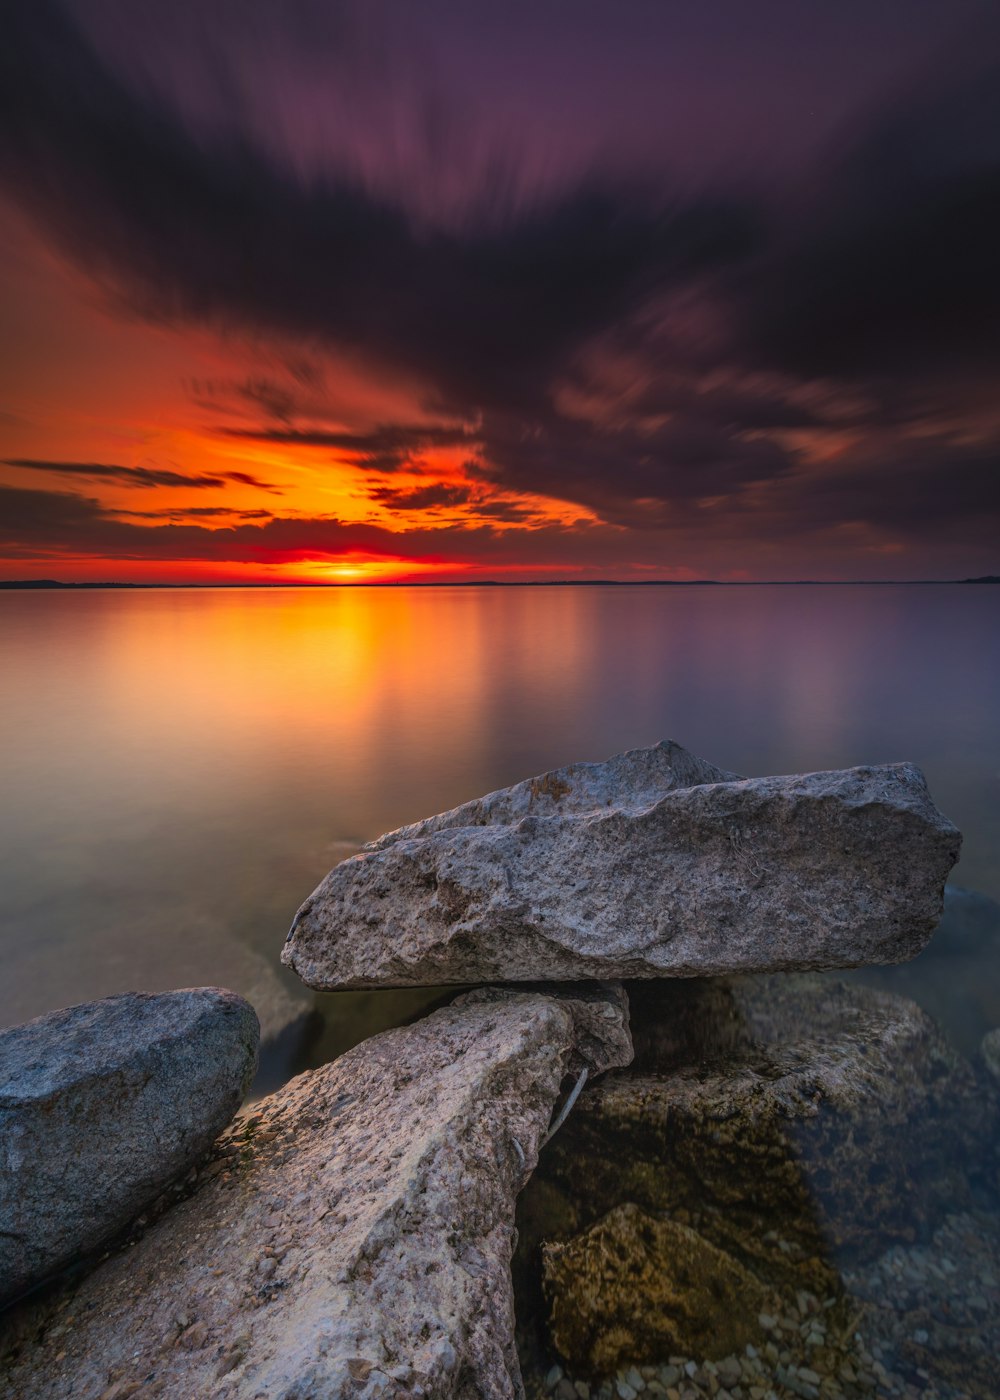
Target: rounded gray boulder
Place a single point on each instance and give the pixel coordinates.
(102, 1106)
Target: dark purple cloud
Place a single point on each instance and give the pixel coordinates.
(888, 268)
(139, 476)
(184, 513)
(629, 476)
(133, 476)
(218, 233)
(439, 493)
(382, 449)
(37, 524)
(756, 303)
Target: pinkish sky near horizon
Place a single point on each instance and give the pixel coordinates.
(353, 292)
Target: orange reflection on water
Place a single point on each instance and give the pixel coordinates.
(181, 761)
(206, 699)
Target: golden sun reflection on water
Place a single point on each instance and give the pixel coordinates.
(183, 760)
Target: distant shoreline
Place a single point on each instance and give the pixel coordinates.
(50, 585)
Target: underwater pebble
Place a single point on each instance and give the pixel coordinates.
(911, 1310)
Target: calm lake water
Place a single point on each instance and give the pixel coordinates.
(180, 768)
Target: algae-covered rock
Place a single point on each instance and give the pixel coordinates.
(793, 1121)
(636, 1288)
(989, 1049)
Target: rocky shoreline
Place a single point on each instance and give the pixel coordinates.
(738, 1175)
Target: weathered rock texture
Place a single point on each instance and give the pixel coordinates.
(792, 1121)
(101, 1106)
(654, 864)
(350, 1238)
(636, 1288)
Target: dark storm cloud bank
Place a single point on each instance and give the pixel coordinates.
(637, 478)
(890, 267)
(877, 275)
(935, 487)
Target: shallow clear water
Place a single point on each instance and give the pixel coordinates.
(180, 768)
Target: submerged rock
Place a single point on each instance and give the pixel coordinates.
(989, 1049)
(957, 976)
(793, 1121)
(101, 1106)
(654, 864)
(635, 1288)
(351, 1237)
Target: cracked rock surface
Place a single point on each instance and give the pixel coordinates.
(350, 1237)
(653, 864)
(101, 1106)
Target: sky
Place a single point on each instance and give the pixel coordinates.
(325, 292)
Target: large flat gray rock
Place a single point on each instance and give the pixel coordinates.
(350, 1238)
(654, 864)
(101, 1107)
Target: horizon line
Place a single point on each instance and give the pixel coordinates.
(53, 584)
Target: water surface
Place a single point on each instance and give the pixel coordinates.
(179, 768)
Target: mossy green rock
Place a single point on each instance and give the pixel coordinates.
(635, 1288)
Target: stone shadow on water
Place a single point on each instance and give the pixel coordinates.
(337, 1021)
(774, 1137)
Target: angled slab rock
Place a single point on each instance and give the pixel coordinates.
(101, 1107)
(350, 1238)
(653, 864)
